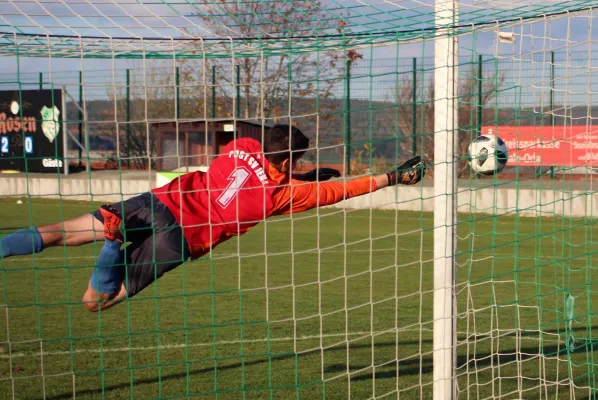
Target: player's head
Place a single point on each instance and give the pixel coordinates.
(284, 145)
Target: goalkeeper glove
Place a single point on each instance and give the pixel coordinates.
(321, 174)
(408, 173)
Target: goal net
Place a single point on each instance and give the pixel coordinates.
(462, 286)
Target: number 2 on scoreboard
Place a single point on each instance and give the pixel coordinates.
(4, 144)
(236, 180)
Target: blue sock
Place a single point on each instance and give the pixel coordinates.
(20, 243)
(109, 272)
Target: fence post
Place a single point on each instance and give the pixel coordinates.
(213, 91)
(177, 79)
(552, 101)
(552, 88)
(41, 81)
(348, 117)
(238, 102)
(480, 95)
(414, 110)
(81, 118)
(128, 119)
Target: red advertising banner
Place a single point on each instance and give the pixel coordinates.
(569, 146)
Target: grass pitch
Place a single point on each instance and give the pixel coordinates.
(333, 305)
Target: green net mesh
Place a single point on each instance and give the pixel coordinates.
(336, 302)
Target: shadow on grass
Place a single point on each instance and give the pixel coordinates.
(410, 367)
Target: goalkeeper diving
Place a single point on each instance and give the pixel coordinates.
(187, 218)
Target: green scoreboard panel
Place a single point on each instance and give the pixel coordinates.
(31, 130)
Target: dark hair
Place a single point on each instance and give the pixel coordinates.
(281, 140)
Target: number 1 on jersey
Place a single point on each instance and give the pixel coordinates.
(236, 180)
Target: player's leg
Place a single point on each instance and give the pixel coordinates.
(94, 301)
(106, 281)
(106, 285)
(130, 216)
(157, 246)
(146, 262)
(73, 232)
(160, 254)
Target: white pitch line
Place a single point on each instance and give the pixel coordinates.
(323, 251)
(235, 254)
(183, 345)
(246, 341)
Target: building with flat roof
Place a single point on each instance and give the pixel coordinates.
(199, 141)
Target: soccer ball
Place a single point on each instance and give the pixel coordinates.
(488, 154)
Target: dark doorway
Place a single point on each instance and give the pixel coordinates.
(222, 139)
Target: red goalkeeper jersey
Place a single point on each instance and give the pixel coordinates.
(241, 189)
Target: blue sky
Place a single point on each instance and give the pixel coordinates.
(130, 17)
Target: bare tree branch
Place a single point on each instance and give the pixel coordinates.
(287, 74)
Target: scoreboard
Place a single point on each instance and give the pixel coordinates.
(31, 130)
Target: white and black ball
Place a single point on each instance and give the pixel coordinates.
(488, 154)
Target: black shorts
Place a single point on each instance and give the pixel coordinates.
(157, 241)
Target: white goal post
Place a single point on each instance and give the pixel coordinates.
(446, 52)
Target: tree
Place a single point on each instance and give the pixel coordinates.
(310, 74)
(402, 116)
(152, 94)
(268, 84)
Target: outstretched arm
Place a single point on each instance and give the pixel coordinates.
(300, 196)
(318, 174)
